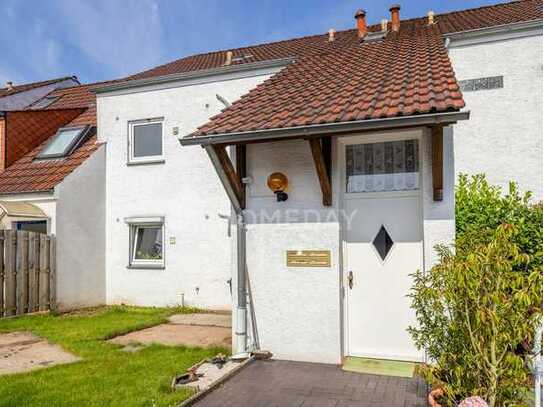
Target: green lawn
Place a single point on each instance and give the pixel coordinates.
(106, 376)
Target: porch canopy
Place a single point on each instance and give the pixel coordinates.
(403, 81)
(16, 209)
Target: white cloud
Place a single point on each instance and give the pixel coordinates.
(122, 36)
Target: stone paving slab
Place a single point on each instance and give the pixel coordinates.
(22, 352)
(175, 335)
(221, 320)
(295, 384)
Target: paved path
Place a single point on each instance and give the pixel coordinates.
(286, 384)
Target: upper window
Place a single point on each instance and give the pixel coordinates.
(146, 141)
(64, 142)
(383, 167)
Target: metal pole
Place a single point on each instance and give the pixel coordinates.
(241, 325)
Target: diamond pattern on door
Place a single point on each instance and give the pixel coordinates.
(383, 243)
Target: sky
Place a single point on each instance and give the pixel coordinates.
(107, 39)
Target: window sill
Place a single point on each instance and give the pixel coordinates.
(146, 266)
(147, 162)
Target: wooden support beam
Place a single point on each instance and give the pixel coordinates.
(327, 154)
(437, 162)
(227, 174)
(322, 172)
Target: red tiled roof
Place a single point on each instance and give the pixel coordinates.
(482, 17)
(405, 74)
(28, 86)
(30, 175)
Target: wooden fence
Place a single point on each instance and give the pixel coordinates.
(27, 272)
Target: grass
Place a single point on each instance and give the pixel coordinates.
(106, 376)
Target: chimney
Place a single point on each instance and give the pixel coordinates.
(360, 17)
(9, 85)
(431, 19)
(228, 58)
(384, 24)
(395, 12)
(331, 35)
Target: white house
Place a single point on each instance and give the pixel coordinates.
(325, 179)
(52, 181)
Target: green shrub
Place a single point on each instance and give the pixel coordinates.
(481, 208)
(472, 315)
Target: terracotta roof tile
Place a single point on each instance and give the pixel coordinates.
(28, 86)
(30, 175)
(488, 16)
(405, 74)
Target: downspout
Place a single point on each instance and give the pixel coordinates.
(241, 307)
(241, 320)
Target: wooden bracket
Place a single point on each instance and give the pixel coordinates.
(437, 162)
(322, 170)
(227, 174)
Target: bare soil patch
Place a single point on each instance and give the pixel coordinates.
(23, 352)
(174, 334)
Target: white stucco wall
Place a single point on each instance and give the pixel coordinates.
(503, 137)
(299, 311)
(185, 190)
(80, 230)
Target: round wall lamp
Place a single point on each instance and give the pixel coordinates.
(278, 183)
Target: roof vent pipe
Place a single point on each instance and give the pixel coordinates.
(431, 18)
(228, 58)
(331, 35)
(9, 85)
(395, 13)
(384, 25)
(360, 17)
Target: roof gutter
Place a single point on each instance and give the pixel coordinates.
(328, 129)
(203, 73)
(518, 28)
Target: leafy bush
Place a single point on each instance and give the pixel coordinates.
(472, 314)
(481, 208)
(477, 307)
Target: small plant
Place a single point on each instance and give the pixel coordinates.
(472, 310)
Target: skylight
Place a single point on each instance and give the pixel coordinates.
(64, 142)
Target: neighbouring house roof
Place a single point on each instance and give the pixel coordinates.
(30, 175)
(465, 20)
(29, 86)
(20, 210)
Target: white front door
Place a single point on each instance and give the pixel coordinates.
(382, 244)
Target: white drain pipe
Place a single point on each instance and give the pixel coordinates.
(241, 320)
(538, 363)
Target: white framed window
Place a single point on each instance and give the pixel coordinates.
(146, 141)
(146, 249)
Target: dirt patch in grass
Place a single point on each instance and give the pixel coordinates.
(174, 334)
(23, 352)
(106, 376)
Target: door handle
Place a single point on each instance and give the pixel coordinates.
(350, 279)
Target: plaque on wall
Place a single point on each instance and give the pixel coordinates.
(309, 258)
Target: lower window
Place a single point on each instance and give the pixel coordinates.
(147, 245)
